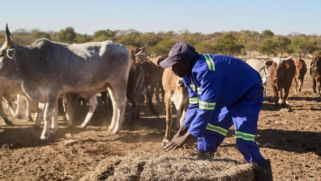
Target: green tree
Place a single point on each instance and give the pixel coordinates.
(267, 34)
(67, 35)
(228, 45)
(282, 43)
(268, 47)
(306, 47)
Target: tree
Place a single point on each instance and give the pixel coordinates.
(268, 47)
(306, 47)
(283, 43)
(228, 45)
(267, 34)
(67, 35)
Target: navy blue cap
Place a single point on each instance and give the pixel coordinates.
(179, 52)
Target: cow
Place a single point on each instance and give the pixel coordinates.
(300, 71)
(315, 72)
(137, 85)
(7, 88)
(154, 75)
(175, 93)
(259, 65)
(48, 70)
(281, 71)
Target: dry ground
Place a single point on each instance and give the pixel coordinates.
(292, 140)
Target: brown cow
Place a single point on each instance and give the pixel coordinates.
(282, 71)
(315, 72)
(301, 70)
(176, 93)
(154, 75)
(137, 85)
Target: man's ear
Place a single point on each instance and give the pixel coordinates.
(186, 64)
(11, 53)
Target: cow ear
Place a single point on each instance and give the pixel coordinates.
(268, 63)
(11, 53)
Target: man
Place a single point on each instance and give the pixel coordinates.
(223, 90)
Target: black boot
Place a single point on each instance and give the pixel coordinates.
(204, 154)
(263, 171)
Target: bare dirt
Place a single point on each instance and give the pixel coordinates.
(290, 138)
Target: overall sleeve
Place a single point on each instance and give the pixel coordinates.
(210, 82)
(192, 106)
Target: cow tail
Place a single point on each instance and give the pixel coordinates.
(149, 99)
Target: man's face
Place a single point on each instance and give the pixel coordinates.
(180, 68)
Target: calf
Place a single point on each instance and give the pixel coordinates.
(300, 71)
(177, 94)
(315, 72)
(282, 71)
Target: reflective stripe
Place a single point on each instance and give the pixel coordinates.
(194, 100)
(217, 129)
(210, 62)
(199, 91)
(193, 87)
(245, 136)
(207, 105)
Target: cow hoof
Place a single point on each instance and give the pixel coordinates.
(164, 143)
(83, 126)
(7, 122)
(114, 132)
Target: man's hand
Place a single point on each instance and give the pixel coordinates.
(178, 142)
(182, 131)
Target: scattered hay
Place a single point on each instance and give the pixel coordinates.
(164, 166)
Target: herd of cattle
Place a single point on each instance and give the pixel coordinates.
(47, 71)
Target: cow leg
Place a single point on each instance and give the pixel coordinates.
(276, 97)
(285, 97)
(296, 84)
(40, 112)
(49, 112)
(54, 122)
(28, 108)
(314, 85)
(183, 114)
(319, 89)
(93, 103)
(301, 83)
(169, 119)
(118, 96)
(2, 114)
(281, 96)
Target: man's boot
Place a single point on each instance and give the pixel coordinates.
(204, 154)
(263, 171)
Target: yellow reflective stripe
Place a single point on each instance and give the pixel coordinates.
(207, 105)
(210, 62)
(199, 90)
(245, 136)
(193, 87)
(217, 129)
(194, 100)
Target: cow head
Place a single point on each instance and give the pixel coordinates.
(276, 66)
(7, 54)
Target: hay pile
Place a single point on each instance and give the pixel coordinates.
(163, 166)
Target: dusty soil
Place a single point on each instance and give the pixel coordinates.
(290, 138)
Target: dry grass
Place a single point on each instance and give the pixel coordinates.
(163, 166)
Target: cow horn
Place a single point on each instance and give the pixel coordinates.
(141, 48)
(288, 58)
(310, 55)
(9, 38)
(138, 53)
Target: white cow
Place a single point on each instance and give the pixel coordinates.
(259, 65)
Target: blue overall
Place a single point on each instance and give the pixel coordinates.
(223, 91)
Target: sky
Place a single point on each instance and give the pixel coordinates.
(204, 16)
